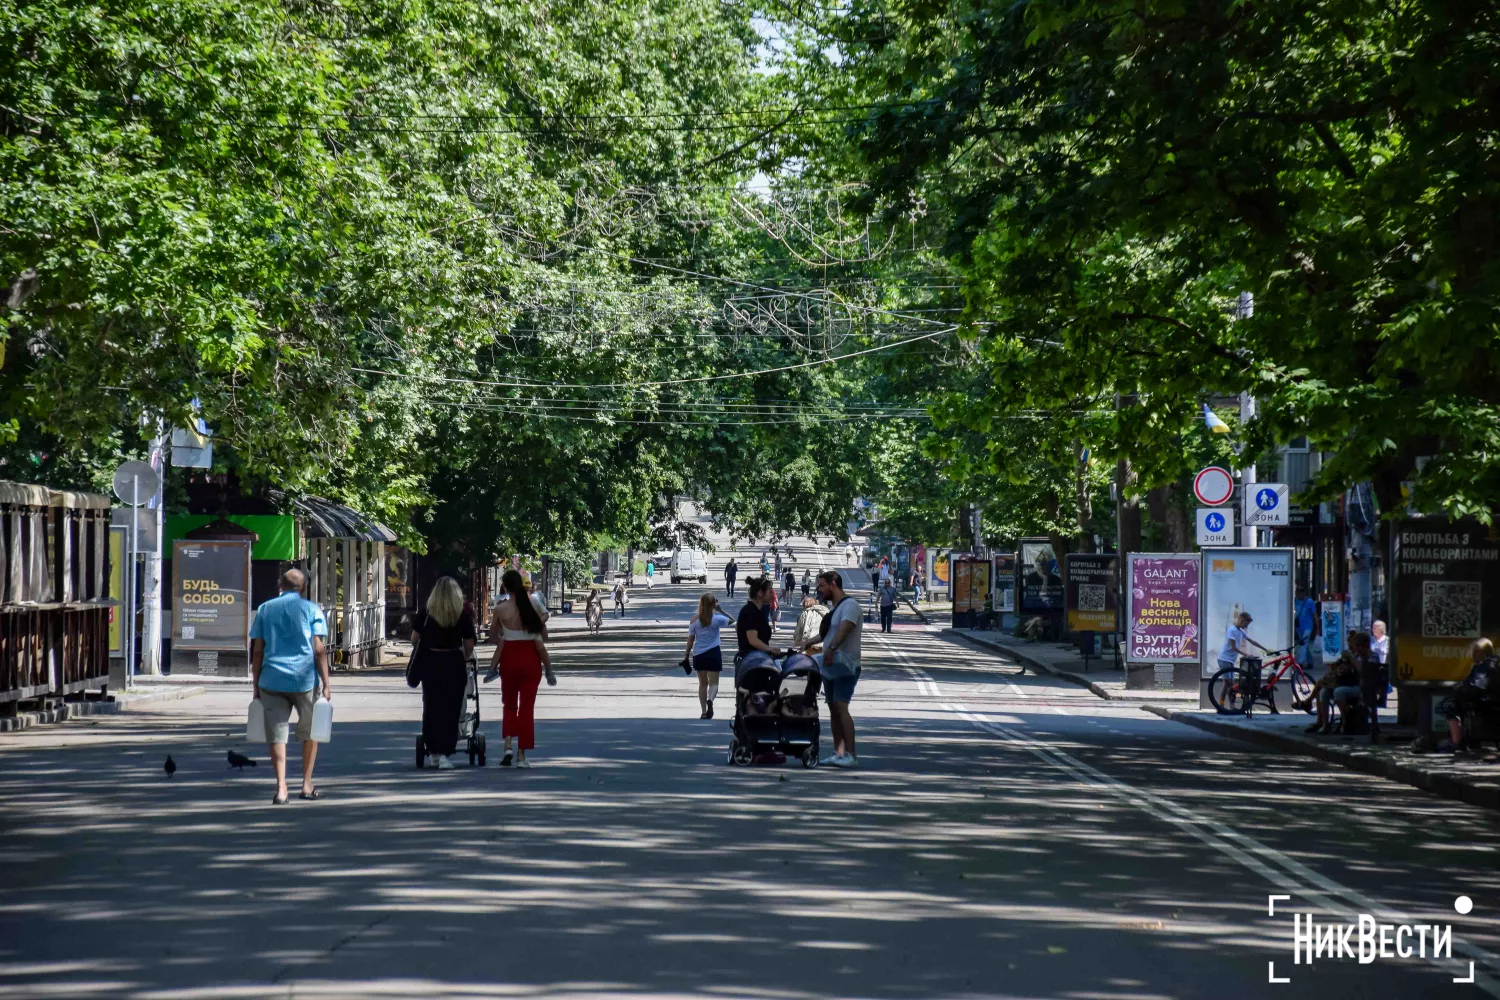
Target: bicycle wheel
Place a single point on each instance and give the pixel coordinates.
(1302, 687)
(1229, 691)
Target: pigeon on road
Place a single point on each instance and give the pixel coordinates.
(240, 761)
(170, 765)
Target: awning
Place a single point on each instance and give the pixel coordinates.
(325, 519)
(27, 494)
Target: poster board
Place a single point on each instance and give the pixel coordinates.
(971, 585)
(117, 541)
(1163, 608)
(1445, 593)
(940, 569)
(210, 606)
(1004, 581)
(1039, 583)
(1255, 580)
(1331, 620)
(1090, 590)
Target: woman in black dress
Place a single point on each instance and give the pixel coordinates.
(444, 639)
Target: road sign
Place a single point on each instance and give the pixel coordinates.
(135, 483)
(1266, 505)
(1215, 526)
(1213, 486)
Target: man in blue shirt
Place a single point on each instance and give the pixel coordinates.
(286, 645)
(1307, 624)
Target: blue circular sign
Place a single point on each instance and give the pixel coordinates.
(1267, 499)
(1214, 522)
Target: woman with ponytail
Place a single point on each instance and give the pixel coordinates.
(521, 659)
(704, 649)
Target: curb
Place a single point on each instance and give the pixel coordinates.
(123, 702)
(1037, 665)
(1485, 794)
(917, 611)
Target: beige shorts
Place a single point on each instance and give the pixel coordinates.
(278, 706)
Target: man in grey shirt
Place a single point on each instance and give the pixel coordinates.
(841, 667)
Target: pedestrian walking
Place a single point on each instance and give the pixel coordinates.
(288, 659)
(650, 575)
(753, 627)
(849, 555)
(521, 660)
(731, 572)
(788, 585)
(1380, 643)
(776, 554)
(443, 639)
(841, 666)
(622, 597)
(887, 604)
(806, 583)
(1237, 641)
(1307, 624)
(704, 649)
(593, 611)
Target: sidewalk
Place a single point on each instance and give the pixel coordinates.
(1471, 778)
(1063, 662)
(123, 701)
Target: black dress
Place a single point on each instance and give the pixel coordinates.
(751, 619)
(445, 673)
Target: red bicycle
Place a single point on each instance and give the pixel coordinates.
(1235, 690)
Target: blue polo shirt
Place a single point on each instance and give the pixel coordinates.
(287, 625)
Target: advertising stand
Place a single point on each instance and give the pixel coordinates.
(1254, 580)
(211, 607)
(1163, 636)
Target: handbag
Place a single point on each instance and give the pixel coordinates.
(414, 667)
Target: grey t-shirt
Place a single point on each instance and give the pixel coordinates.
(845, 659)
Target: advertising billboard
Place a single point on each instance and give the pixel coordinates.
(971, 584)
(940, 569)
(1089, 590)
(116, 589)
(1258, 581)
(1445, 593)
(1162, 607)
(210, 595)
(1040, 583)
(1005, 583)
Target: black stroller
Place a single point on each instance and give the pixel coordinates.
(776, 708)
(468, 722)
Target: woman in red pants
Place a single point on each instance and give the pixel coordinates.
(521, 657)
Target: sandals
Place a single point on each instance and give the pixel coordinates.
(278, 800)
(312, 795)
(505, 761)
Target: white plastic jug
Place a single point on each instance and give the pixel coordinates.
(322, 727)
(255, 725)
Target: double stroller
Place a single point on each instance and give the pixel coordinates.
(776, 708)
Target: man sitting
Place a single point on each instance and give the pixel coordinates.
(1341, 684)
(1480, 690)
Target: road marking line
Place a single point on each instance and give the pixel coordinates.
(1233, 844)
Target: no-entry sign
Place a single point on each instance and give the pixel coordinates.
(1213, 486)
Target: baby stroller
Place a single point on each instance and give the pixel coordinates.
(776, 708)
(469, 735)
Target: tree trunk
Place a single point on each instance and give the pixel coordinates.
(1179, 533)
(1084, 501)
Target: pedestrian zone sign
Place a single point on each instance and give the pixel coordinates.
(1215, 526)
(1266, 505)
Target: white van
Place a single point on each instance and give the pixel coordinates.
(689, 564)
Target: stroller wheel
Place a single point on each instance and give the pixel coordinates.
(734, 747)
(741, 754)
(810, 756)
(421, 753)
(481, 758)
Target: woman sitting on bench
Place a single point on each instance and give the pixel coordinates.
(1340, 685)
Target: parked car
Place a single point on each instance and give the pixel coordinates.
(689, 564)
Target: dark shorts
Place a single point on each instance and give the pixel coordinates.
(841, 689)
(709, 660)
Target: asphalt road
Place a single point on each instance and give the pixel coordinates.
(1006, 836)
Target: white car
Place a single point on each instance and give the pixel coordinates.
(689, 564)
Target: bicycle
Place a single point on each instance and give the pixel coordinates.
(1235, 690)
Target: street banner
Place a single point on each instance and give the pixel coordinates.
(1332, 615)
(1255, 580)
(1040, 584)
(1445, 593)
(210, 595)
(1162, 607)
(1005, 583)
(1090, 588)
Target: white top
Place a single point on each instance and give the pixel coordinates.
(846, 656)
(1380, 647)
(706, 637)
(521, 635)
(1234, 639)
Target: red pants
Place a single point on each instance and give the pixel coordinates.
(520, 675)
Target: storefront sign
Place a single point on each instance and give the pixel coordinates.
(1005, 583)
(1445, 593)
(1258, 581)
(1040, 585)
(1090, 587)
(1162, 608)
(210, 595)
